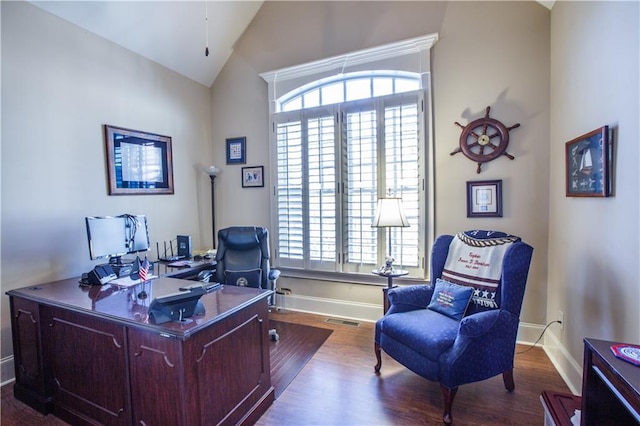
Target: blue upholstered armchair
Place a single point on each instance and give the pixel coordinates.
(462, 328)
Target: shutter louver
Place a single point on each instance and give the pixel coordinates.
(289, 190)
(362, 187)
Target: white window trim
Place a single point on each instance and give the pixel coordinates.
(418, 46)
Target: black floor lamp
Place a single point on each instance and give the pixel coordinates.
(213, 171)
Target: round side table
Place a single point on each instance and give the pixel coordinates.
(390, 276)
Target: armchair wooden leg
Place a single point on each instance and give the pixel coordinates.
(378, 357)
(507, 378)
(448, 395)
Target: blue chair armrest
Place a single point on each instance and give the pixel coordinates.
(486, 340)
(273, 274)
(409, 298)
(477, 325)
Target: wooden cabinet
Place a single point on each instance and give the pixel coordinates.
(86, 365)
(91, 356)
(610, 387)
(27, 354)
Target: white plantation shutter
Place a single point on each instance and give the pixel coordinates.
(289, 196)
(402, 171)
(322, 192)
(361, 188)
(333, 163)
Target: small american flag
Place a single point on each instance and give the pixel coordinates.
(144, 269)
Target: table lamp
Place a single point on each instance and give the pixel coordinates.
(389, 215)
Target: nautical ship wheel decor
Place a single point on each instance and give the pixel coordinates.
(484, 139)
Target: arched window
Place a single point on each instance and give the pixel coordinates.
(340, 142)
(351, 87)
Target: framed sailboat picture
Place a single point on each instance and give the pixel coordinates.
(587, 164)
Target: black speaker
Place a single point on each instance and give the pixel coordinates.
(184, 246)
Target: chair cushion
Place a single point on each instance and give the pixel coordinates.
(425, 331)
(450, 299)
(247, 278)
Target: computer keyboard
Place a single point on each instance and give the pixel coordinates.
(207, 286)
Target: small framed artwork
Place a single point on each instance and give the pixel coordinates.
(252, 177)
(236, 150)
(138, 162)
(587, 164)
(484, 198)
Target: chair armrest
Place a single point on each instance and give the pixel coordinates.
(273, 274)
(409, 298)
(477, 325)
(485, 339)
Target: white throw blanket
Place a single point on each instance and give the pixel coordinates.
(477, 263)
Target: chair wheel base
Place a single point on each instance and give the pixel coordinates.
(273, 335)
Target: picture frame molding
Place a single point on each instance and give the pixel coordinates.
(487, 203)
(581, 164)
(237, 150)
(253, 177)
(138, 143)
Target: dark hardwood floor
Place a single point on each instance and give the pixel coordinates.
(339, 387)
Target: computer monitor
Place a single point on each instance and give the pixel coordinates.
(137, 233)
(110, 237)
(107, 237)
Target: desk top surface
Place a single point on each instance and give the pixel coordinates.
(124, 304)
(627, 372)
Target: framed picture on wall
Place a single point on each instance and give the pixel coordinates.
(138, 162)
(236, 150)
(587, 164)
(252, 177)
(484, 198)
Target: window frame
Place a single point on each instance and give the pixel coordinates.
(406, 56)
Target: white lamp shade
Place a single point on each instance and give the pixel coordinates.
(212, 170)
(389, 214)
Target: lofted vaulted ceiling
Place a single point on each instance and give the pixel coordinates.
(171, 33)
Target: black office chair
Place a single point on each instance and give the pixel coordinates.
(243, 259)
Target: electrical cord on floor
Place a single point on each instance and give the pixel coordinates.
(541, 334)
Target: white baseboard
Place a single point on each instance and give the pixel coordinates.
(330, 307)
(569, 369)
(529, 333)
(7, 372)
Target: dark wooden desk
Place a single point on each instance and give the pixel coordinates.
(610, 387)
(90, 355)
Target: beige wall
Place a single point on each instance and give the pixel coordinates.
(558, 74)
(594, 242)
(473, 66)
(60, 84)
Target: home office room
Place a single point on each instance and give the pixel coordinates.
(504, 132)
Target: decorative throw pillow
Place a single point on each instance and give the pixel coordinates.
(248, 278)
(450, 299)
